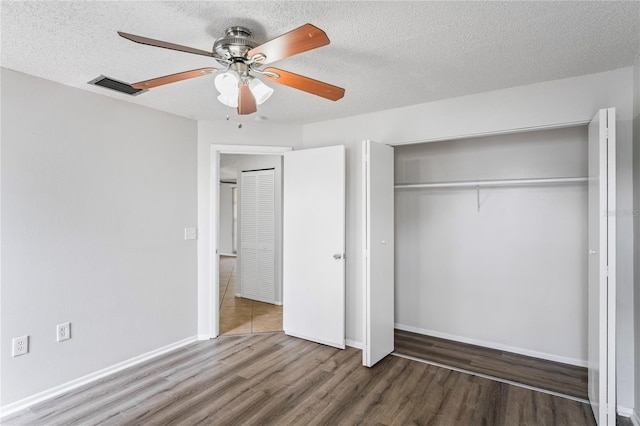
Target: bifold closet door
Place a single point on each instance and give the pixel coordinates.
(257, 235)
(602, 267)
(378, 243)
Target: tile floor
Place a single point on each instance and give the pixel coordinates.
(243, 316)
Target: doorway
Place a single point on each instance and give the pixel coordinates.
(246, 271)
(324, 279)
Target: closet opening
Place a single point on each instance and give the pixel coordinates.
(491, 235)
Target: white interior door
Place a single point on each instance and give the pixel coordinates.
(378, 213)
(314, 245)
(257, 235)
(601, 312)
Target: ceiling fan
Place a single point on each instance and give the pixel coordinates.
(242, 56)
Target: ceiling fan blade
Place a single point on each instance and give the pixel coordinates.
(300, 40)
(164, 44)
(306, 84)
(246, 101)
(160, 81)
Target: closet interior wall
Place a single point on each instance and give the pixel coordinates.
(506, 270)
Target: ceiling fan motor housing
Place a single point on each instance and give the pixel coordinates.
(236, 43)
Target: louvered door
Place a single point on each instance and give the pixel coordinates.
(257, 262)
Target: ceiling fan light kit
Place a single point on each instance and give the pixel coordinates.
(241, 56)
(229, 100)
(261, 91)
(227, 82)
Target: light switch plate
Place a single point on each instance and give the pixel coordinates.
(190, 233)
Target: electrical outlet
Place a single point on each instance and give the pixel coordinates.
(20, 345)
(190, 233)
(63, 331)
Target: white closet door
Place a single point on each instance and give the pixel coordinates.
(314, 244)
(378, 232)
(602, 284)
(257, 262)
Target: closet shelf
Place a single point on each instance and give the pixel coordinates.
(494, 182)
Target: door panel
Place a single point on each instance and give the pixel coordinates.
(314, 245)
(601, 308)
(378, 219)
(257, 257)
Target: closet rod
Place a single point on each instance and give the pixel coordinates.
(497, 182)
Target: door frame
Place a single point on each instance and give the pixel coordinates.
(208, 297)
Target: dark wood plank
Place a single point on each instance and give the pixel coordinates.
(553, 376)
(274, 379)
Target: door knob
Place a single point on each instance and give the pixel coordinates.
(337, 256)
(592, 252)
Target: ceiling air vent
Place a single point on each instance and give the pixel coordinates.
(118, 86)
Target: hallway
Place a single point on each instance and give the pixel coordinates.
(243, 316)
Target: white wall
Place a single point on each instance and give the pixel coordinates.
(96, 194)
(512, 275)
(259, 162)
(226, 218)
(548, 104)
(225, 133)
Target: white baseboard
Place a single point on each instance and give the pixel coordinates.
(493, 345)
(354, 344)
(66, 387)
(228, 254)
(624, 411)
(635, 418)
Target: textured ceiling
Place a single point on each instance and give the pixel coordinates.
(385, 54)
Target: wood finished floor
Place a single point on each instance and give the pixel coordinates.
(556, 377)
(553, 376)
(274, 379)
(242, 316)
